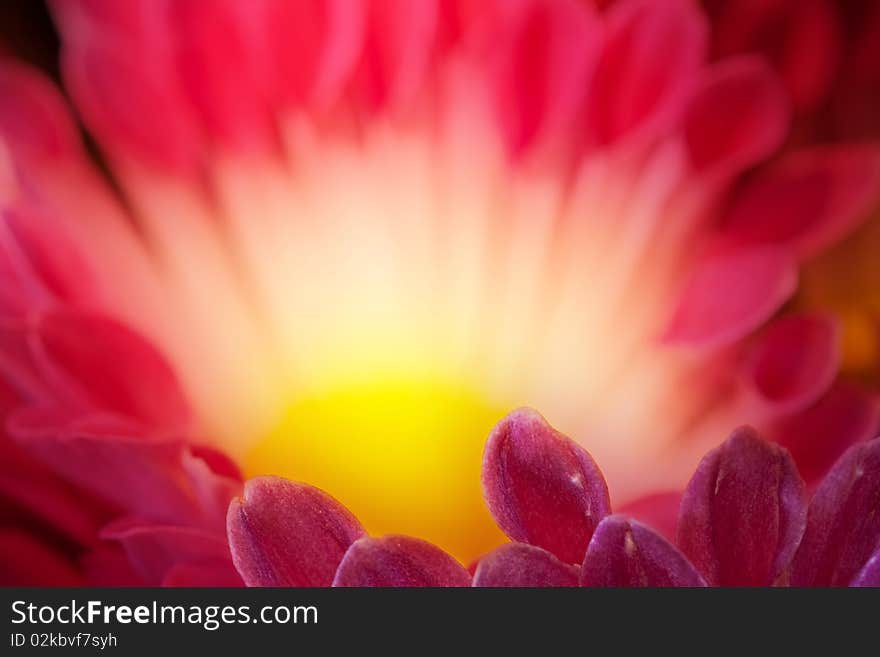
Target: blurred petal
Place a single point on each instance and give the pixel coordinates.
(284, 533)
(818, 435)
(737, 117)
(155, 549)
(34, 120)
(395, 561)
(743, 512)
(659, 511)
(96, 362)
(807, 201)
(523, 565)
(26, 560)
(637, 94)
(624, 552)
(544, 68)
(206, 574)
(795, 362)
(542, 488)
(731, 294)
(157, 478)
(843, 525)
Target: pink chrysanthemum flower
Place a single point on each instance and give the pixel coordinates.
(336, 241)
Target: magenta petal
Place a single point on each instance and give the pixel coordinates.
(546, 59)
(541, 487)
(737, 117)
(523, 565)
(870, 574)
(34, 119)
(743, 512)
(807, 201)
(729, 295)
(624, 552)
(817, 436)
(795, 362)
(398, 561)
(843, 524)
(97, 363)
(636, 94)
(284, 533)
(157, 478)
(154, 549)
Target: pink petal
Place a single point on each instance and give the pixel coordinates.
(217, 62)
(542, 488)
(314, 46)
(29, 486)
(731, 294)
(843, 525)
(43, 264)
(624, 552)
(659, 511)
(523, 565)
(743, 512)
(795, 362)
(737, 117)
(636, 93)
(284, 533)
(544, 63)
(398, 561)
(129, 100)
(807, 201)
(155, 549)
(800, 38)
(34, 120)
(157, 478)
(400, 39)
(870, 574)
(95, 362)
(817, 436)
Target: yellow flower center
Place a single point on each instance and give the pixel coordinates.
(403, 456)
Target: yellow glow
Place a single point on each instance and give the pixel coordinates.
(846, 281)
(403, 455)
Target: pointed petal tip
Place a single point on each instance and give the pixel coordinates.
(743, 512)
(284, 533)
(541, 487)
(626, 553)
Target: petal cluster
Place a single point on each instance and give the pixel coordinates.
(744, 520)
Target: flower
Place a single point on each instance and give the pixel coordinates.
(743, 521)
(335, 241)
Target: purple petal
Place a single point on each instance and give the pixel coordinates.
(284, 533)
(523, 565)
(870, 574)
(396, 561)
(743, 512)
(624, 552)
(542, 488)
(843, 524)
